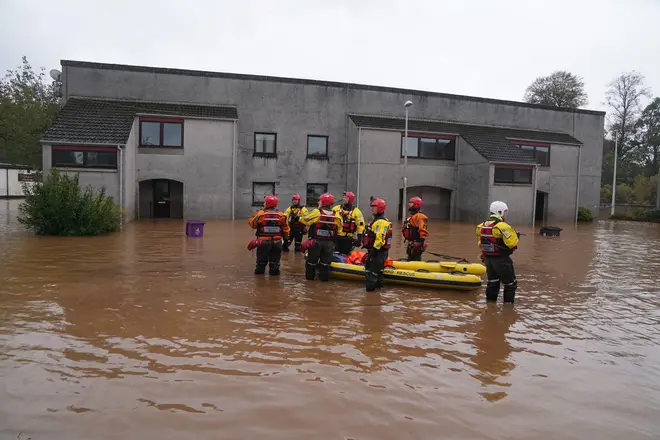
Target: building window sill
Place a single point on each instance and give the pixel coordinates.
(317, 157)
(266, 155)
(511, 184)
(85, 169)
(157, 147)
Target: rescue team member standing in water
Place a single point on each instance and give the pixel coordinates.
(271, 227)
(377, 241)
(415, 230)
(293, 214)
(497, 241)
(352, 225)
(323, 224)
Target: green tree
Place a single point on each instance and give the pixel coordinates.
(648, 137)
(28, 106)
(559, 89)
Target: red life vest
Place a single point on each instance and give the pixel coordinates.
(325, 228)
(410, 232)
(296, 210)
(270, 225)
(491, 246)
(348, 224)
(370, 236)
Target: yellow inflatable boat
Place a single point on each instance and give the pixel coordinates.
(440, 266)
(432, 280)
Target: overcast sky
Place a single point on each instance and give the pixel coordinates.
(474, 47)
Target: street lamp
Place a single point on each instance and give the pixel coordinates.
(616, 153)
(404, 202)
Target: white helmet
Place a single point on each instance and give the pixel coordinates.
(499, 208)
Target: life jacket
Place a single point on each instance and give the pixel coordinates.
(491, 246)
(270, 225)
(356, 257)
(325, 228)
(370, 235)
(410, 232)
(348, 224)
(296, 210)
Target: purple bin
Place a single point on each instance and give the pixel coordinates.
(194, 228)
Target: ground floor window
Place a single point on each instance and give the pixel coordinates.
(260, 190)
(513, 175)
(78, 157)
(314, 191)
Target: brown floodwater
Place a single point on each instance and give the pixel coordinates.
(148, 334)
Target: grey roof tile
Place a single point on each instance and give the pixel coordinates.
(103, 121)
(493, 143)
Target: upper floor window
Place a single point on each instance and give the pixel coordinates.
(265, 144)
(317, 146)
(157, 132)
(513, 175)
(430, 146)
(81, 157)
(539, 150)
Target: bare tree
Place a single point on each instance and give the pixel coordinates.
(559, 89)
(623, 96)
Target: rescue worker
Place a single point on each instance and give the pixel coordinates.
(377, 241)
(414, 230)
(323, 224)
(497, 241)
(298, 229)
(352, 225)
(271, 227)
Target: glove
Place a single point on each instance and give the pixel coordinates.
(295, 218)
(518, 234)
(481, 257)
(358, 240)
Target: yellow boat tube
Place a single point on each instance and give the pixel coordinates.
(432, 280)
(440, 266)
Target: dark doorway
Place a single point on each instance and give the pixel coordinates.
(437, 201)
(162, 200)
(541, 206)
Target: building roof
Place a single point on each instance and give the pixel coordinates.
(107, 121)
(493, 143)
(239, 76)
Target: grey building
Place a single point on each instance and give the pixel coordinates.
(193, 144)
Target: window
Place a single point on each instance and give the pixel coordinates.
(539, 151)
(161, 133)
(314, 191)
(513, 175)
(430, 146)
(317, 146)
(260, 190)
(265, 144)
(98, 157)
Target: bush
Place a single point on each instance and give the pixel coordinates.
(59, 206)
(585, 214)
(639, 215)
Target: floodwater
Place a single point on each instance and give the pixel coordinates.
(147, 334)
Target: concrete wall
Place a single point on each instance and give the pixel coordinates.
(559, 180)
(518, 197)
(473, 174)
(295, 110)
(204, 166)
(130, 174)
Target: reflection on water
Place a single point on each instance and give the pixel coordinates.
(148, 334)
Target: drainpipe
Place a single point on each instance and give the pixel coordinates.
(358, 165)
(233, 175)
(121, 184)
(577, 187)
(536, 184)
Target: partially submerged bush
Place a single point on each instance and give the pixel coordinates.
(639, 215)
(59, 206)
(584, 214)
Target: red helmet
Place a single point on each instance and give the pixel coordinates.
(380, 204)
(417, 202)
(270, 201)
(327, 199)
(295, 197)
(351, 197)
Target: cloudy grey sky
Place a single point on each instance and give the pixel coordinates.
(474, 47)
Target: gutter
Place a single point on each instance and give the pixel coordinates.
(91, 144)
(233, 173)
(120, 151)
(577, 187)
(536, 184)
(359, 161)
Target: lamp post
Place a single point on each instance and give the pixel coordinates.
(616, 153)
(404, 202)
